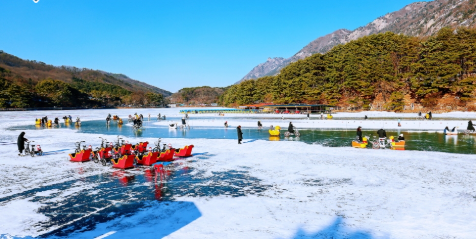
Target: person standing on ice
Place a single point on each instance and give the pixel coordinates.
(382, 134)
(291, 128)
(470, 126)
(240, 134)
(183, 121)
(259, 125)
(307, 115)
(359, 133)
(21, 142)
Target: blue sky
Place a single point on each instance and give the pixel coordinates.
(175, 43)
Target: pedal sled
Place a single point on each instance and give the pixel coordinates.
(357, 144)
(124, 149)
(185, 151)
(80, 155)
(168, 155)
(296, 133)
(33, 151)
(147, 159)
(124, 162)
(140, 148)
(275, 131)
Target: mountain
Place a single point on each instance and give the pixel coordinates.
(270, 65)
(417, 19)
(35, 71)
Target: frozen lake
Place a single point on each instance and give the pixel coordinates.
(415, 140)
(317, 187)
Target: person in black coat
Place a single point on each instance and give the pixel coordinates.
(470, 126)
(291, 128)
(259, 124)
(359, 133)
(381, 133)
(240, 134)
(21, 142)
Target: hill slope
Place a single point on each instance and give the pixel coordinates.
(416, 19)
(24, 70)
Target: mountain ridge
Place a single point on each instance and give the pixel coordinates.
(415, 19)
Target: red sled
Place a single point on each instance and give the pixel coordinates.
(82, 156)
(125, 149)
(141, 147)
(105, 153)
(184, 152)
(148, 159)
(167, 155)
(126, 161)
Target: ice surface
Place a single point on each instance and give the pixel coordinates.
(311, 191)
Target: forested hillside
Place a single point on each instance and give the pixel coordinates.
(35, 84)
(384, 70)
(420, 19)
(197, 95)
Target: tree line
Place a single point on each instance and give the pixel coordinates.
(197, 95)
(386, 65)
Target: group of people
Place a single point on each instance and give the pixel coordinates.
(67, 117)
(45, 122)
(382, 134)
(470, 128)
(160, 117)
(137, 122)
(428, 115)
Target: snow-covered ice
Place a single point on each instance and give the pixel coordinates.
(295, 190)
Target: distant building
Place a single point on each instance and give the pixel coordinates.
(172, 105)
(214, 104)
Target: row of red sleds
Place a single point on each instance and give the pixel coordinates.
(124, 156)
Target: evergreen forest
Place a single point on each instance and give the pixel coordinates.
(388, 67)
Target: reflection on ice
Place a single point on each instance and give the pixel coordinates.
(451, 139)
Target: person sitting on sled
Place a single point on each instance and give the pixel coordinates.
(359, 133)
(401, 138)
